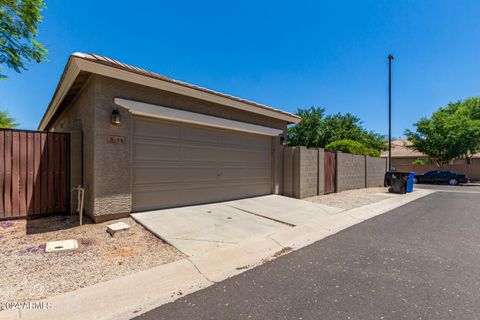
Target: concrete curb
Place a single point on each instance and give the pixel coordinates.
(129, 296)
(121, 296)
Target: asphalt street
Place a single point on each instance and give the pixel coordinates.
(419, 261)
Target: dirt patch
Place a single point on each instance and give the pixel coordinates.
(282, 252)
(352, 198)
(28, 273)
(123, 252)
(243, 267)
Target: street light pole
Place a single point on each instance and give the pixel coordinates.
(390, 58)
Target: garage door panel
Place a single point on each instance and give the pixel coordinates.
(233, 181)
(258, 174)
(199, 194)
(199, 134)
(244, 157)
(148, 199)
(196, 174)
(150, 128)
(182, 164)
(155, 151)
(234, 191)
(156, 175)
(199, 153)
(246, 141)
(250, 174)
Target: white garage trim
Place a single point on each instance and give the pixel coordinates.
(159, 112)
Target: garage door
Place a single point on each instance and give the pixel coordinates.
(176, 164)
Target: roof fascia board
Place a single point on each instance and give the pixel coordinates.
(159, 112)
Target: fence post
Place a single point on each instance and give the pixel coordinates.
(366, 171)
(288, 171)
(297, 154)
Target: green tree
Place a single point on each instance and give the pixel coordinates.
(307, 132)
(451, 132)
(6, 121)
(318, 130)
(353, 147)
(19, 21)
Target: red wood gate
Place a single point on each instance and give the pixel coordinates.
(330, 167)
(34, 173)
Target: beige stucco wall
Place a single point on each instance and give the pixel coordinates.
(78, 119)
(406, 161)
(107, 166)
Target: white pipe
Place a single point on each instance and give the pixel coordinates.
(80, 197)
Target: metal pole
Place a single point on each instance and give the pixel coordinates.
(390, 58)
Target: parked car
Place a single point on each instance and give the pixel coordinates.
(441, 176)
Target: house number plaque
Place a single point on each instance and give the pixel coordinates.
(116, 139)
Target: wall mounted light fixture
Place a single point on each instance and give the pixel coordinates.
(116, 119)
(283, 140)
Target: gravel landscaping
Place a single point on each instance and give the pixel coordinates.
(353, 198)
(28, 273)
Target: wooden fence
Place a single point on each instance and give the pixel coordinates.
(330, 171)
(34, 173)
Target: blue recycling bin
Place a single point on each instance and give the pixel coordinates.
(411, 176)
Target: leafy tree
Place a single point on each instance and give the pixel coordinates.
(318, 130)
(353, 147)
(451, 132)
(19, 21)
(6, 121)
(307, 132)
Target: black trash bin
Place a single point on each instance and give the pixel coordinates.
(397, 181)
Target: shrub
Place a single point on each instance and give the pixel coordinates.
(419, 161)
(353, 147)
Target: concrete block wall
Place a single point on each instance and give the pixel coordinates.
(308, 173)
(296, 172)
(288, 171)
(302, 174)
(350, 171)
(376, 168)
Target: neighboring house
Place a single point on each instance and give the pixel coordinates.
(142, 141)
(404, 154)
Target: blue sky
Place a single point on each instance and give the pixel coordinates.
(286, 54)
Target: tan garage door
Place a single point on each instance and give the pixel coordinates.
(176, 164)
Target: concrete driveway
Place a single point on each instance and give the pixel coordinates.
(199, 229)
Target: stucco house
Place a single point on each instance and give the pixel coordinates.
(142, 141)
(403, 154)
